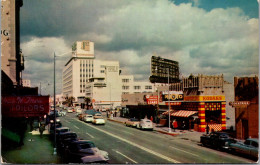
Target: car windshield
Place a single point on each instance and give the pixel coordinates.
(224, 136)
(148, 121)
(87, 145)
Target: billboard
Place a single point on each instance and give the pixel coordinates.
(25, 106)
(162, 68)
(152, 99)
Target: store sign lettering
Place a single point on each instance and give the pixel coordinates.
(5, 32)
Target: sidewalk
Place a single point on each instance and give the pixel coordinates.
(36, 150)
(183, 134)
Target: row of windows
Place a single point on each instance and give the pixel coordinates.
(125, 80)
(86, 70)
(91, 75)
(137, 87)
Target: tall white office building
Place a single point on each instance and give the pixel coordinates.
(78, 70)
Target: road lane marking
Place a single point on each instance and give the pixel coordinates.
(184, 151)
(125, 156)
(122, 131)
(89, 135)
(134, 144)
(76, 127)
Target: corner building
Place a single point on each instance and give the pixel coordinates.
(78, 70)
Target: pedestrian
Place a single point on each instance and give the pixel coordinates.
(207, 129)
(174, 125)
(151, 118)
(41, 129)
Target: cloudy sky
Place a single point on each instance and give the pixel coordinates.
(210, 37)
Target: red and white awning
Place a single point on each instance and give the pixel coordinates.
(181, 113)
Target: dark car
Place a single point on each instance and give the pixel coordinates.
(218, 140)
(64, 139)
(83, 151)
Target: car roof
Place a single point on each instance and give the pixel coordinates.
(83, 141)
(66, 133)
(62, 128)
(253, 139)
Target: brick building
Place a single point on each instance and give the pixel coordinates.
(247, 117)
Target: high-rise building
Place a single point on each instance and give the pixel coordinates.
(12, 62)
(78, 70)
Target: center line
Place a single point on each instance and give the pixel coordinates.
(76, 127)
(184, 151)
(133, 144)
(125, 156)
(89, 135)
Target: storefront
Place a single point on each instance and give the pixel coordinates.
(211, 111)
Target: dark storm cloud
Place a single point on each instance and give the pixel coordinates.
(203, 40)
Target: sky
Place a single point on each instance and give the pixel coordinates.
(210, 37)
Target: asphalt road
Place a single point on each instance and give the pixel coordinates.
(131, 145)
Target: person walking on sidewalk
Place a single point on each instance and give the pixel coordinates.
(174, 125)
(41, 129)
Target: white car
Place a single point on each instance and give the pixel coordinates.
(98, 120)
(88, 118)
(98, 115)
(145, 124)
(78, 110)
(70, 110)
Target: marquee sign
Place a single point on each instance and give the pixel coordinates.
(172, 96)
(25, 106)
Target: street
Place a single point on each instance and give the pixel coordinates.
(130, 145)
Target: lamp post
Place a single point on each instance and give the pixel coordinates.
(169, 100)
(54, 102)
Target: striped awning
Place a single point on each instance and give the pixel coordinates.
(181, 113)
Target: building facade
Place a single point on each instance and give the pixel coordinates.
(247, 117)
(78, 70)
(12, 61)
(26, 83)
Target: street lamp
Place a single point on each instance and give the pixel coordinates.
(169, 99)
(54, 102)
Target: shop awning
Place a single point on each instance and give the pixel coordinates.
(181, 113)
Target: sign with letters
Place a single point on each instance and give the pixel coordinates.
(25, 106)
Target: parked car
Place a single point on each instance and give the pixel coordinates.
(249, 147)
(132, 122)
(145, 124)
(62, 130)
(98, 120)
(64, 139)
(83, 151)
(218, 140)
(88, 118)
(78, 110)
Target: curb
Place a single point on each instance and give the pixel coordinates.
(172, 134)
(115, 121)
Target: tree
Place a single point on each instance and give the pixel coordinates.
(87, 101)
(69, 101)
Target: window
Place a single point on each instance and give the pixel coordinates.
(125, 87)
(137, 87)
(102, 71)
(148, 87)
(125, 80)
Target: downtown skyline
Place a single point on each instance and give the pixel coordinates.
(205, 37)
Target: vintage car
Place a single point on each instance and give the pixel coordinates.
(249, 147)
(145, 124)
(87, 112)
(132, 122)
(70, 110)
(98, 120)
(83, 151)
(88, 118)
(218, 140)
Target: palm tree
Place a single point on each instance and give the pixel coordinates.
(87, 101)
